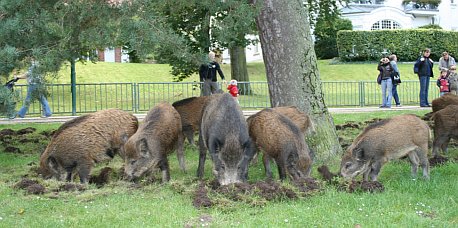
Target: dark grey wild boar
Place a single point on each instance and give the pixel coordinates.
(281, 139)
(158, 135)
(80, 143)
(445, 128)
(223, 131)
(386, 140)
(190, 110)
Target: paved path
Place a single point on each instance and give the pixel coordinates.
(62, 119)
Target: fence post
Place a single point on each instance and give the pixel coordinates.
(361, 94)
(135, 104)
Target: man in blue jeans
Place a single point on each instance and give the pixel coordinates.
(34, 81)
(424, 69)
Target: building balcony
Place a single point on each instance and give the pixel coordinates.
(421, 9)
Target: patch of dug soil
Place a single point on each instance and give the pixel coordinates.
(103, 178)
(12, 149)
(375, 120)
(48, 134)
(437, 161)
(27, 130)
(36, 189)
(32, 186)
(347, 125)
(70, 187)
(7, 131)
(362, 186)
(201, 198)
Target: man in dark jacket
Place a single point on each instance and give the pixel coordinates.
(207, 73)
(424, 69)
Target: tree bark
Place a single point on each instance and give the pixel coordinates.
(292, 71)
(239, 70)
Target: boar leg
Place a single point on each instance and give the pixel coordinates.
(189, 134)
(202, 155)
(440, 142)
(180, 152)
(422, 154)
(413, 162)
(281, 167)
(84, 174)
(375, 170)
(164, 166)
(267, 168)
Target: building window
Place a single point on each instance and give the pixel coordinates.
(385, 24)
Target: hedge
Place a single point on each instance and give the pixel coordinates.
(407, 44)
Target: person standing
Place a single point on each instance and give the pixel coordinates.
(453, 80)
(207, 73)
(34, 89)
(443, 83)
(423, 67)
(393, 61)
(387, 86)
(446, 61)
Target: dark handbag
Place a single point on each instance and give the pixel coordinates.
(396, 78)
(379, 79)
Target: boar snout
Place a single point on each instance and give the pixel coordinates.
(230, 177)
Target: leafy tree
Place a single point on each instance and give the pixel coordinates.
(292, 71)
(326, 37)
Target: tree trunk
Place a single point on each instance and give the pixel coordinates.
(292, 71)
(239, 70)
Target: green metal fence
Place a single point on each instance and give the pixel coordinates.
(140, 97)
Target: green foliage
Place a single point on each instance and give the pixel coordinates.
(407, 44)
(326, 37)
(422, 3)
(8, 100)
(430, 26)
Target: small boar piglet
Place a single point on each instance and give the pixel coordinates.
(158, 136)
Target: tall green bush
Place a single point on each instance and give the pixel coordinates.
(407, 44)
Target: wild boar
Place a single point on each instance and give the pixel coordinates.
(224, 133)
(80, 143)
(386, 140)
(445, 128)
(281, 139)
(190, 110)
(295, 115)
(443, 101)
(158, 135)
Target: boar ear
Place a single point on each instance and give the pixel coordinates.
(143, 146)
(358, 153)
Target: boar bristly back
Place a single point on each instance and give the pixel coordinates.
(80, 143)
(384, 141)
(224, 133)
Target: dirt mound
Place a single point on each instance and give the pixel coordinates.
(375, 120)
(12, 149)
(352, 186)
(32, 186)
(27, 130)
(251, 193)
(101, 179)
(7, 131)
(347, 125)
(70, 187)
(437, 160)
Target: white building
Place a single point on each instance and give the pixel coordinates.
(392, 14)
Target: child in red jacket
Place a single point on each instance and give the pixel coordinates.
(443, 83)
(233, 90)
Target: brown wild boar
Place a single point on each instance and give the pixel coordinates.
(81, 142)
(281, 139)
(190, 110)
(295, 115)
(158, 135)
(445, 128)
(443, 101)
(223, 131)
(386, 140)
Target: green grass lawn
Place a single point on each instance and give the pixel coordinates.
(404, 203)
(137, 72)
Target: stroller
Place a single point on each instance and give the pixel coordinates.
(10, 84)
